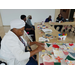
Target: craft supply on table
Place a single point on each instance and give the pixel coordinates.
(58, 53)
(47, 31)
(68, 47)
(62, 36)
(73, 54)
(70, 58)
(59, 59)
(74, 48)
(55, 46)
(67, 53)
(71, 44)
(63, 47)
(51, 37)
(48, 44)
(43, 50)
(43, 39)
(43, 26)
(50, 58)
(70, 62)
(48, 48)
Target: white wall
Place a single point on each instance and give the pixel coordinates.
(38, 15)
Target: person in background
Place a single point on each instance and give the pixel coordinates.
(14, 46)
(28, 28)
(59, 19)
(29, 21)
(48, 19)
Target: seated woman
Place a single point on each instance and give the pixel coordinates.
(29, 21)
(28, 28)
(14, 46)
(48, 19)
(61, 19)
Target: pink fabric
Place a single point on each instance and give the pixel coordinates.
(48, 63)
(66, 53)
(47, 58)
(27, 32)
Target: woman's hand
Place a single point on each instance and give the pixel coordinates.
(40, 48)
(37, 43)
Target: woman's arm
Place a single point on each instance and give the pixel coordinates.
(38, 49)
(37, 43)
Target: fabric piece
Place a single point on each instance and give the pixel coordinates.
(57, 63)
(55, 46)
(70, 62)
(70, 58)
(49, 48)
(71, 44)
(66, 52)
(43, 50)
(58, 53)
(59, 59)
(48, 44)
(48, 63)
(73, 54)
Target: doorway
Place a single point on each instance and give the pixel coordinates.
(71, 15)
(65, 13)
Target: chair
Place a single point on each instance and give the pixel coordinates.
(28, 36)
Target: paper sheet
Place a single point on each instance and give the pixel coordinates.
(49, 60)
(58, 53)
(43, 39)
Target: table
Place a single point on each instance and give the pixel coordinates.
(55, 33)
(57, 23)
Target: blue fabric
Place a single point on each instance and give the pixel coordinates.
(32, 62)
(47, 20)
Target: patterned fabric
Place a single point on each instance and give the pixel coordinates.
(22, 41)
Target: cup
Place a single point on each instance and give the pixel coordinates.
(63, 37)
(60, 38)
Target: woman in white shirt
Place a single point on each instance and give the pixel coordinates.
(13, 45)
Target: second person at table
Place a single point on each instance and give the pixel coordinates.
(48, 19)
(59, 19)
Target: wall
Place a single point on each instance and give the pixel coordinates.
(38, 15)
(1, 20)
(57, 11)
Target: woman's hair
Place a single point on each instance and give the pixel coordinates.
(60, 14)
(29, 16)
(23, 16)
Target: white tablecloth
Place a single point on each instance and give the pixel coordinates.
(62, 61)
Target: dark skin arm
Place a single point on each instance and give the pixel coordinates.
(37, 43)
(41, 46)
(38, 49)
